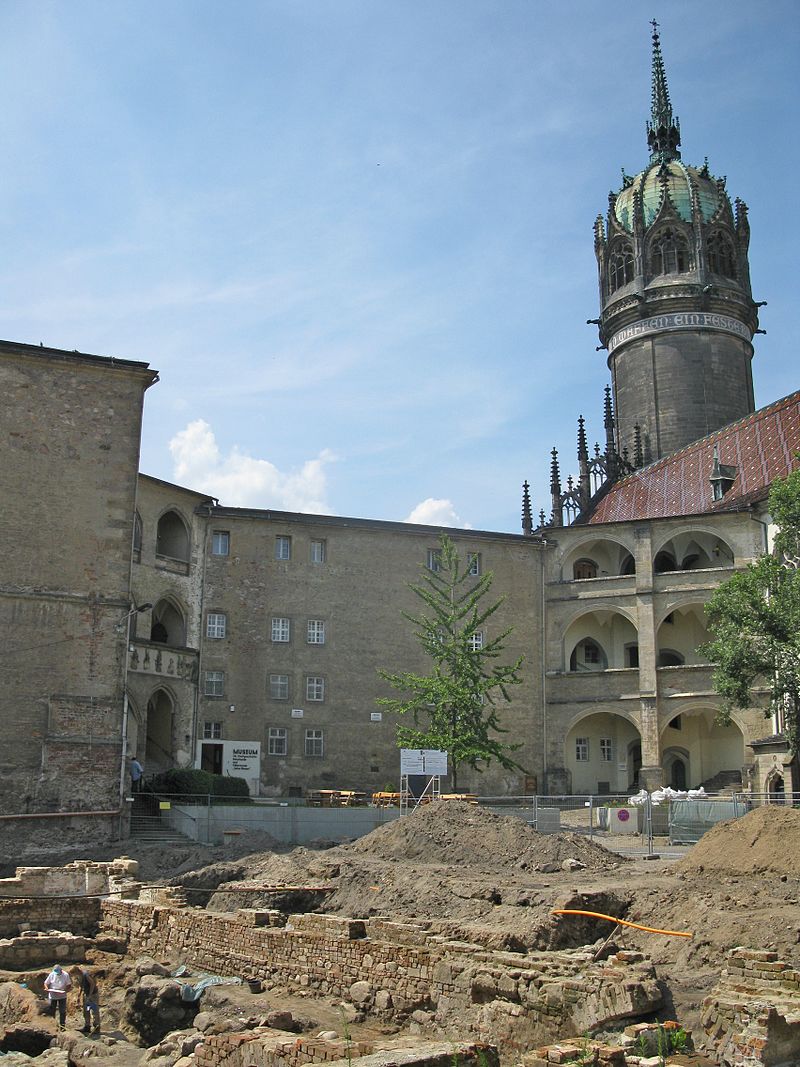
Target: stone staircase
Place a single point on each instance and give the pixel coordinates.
(724, 783)
(147, 825)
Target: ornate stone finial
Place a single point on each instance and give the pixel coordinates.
(542, 518)
(583, 448)
(555, 473)
(663, 132)
(527, 516)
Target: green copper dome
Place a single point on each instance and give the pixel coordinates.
(677, 179)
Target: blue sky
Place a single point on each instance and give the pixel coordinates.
(355, 236)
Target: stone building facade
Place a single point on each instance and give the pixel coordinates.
(248, 642)
(71, 433)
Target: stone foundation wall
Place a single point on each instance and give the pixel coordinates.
(79, 915)
(517, 999)
(265, 1048)
(753, 1016)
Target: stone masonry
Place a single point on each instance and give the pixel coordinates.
(516, 1000)
(753, 1016)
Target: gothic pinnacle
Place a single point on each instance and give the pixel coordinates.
(663, 131)
(527, 516)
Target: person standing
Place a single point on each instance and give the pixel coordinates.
(57, 984)
(86, 985)
(137, 770)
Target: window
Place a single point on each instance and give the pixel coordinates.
(137, 535)
(474, 564)
(280, 629)
(216, 624)
(313, 746)
(721, 255)
(631, 655)
(582, 749)
(434, 559)
(475, 641)
(620, 267)
(283, 547)
(318, 551)
(214, 684)
(212, 731)
(316, 632)
(583, 569)
(605, 749)
(279, 686)
(669, 253)
(591, 652)
(277, 741)
(315, 687)
(220, 543)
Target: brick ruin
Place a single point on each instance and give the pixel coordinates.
(417, 974)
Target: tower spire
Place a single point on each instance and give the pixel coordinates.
(663, 132)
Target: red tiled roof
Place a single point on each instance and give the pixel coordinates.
(761, 447)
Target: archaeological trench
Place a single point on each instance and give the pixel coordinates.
(432, 941)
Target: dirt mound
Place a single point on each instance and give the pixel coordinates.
(454, 832)
(767, 839)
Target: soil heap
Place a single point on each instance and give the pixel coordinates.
(764, 840)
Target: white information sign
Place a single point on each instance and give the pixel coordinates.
(428, 761)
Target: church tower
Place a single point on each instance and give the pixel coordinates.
(677, 314)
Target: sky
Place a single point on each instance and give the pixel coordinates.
(355, 236)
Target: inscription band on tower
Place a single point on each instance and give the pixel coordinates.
(684, 320)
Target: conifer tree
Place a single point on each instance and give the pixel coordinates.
(454, 707)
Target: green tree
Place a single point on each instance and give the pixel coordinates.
(454, 708)
(754, 619)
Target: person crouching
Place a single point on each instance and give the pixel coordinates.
(57, 984)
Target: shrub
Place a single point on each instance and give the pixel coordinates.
(191, 782)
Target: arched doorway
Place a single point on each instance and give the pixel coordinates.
(159, 750)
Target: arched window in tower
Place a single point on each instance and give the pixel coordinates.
(620, 267)
(669, 253)
(721, 255)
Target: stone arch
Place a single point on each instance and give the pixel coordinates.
(609, 554)
(162, 706)
(695, 548)
(597, 749)
(172, 537)
(775, 786)
(715, 754)
(680, 630)
(676, 764)
(168, 625)
(611, 629)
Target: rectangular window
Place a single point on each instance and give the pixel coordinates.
(277, 744)
(605, 749)
(283, 547)
(434, 559)
(315, 687)
(582, 749)
(475, 641)
(279, 686)
(212, 731)
(220, 543)
(214, 684)
(313, 745)
(216, 624)
(318, 551)
(474, 564)
(280, 629)
(316, 632)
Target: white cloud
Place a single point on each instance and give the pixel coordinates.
(239, 480)
(432, 512)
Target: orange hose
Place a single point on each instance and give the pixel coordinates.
(622, 922)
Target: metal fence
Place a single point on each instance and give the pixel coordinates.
(631, 826)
